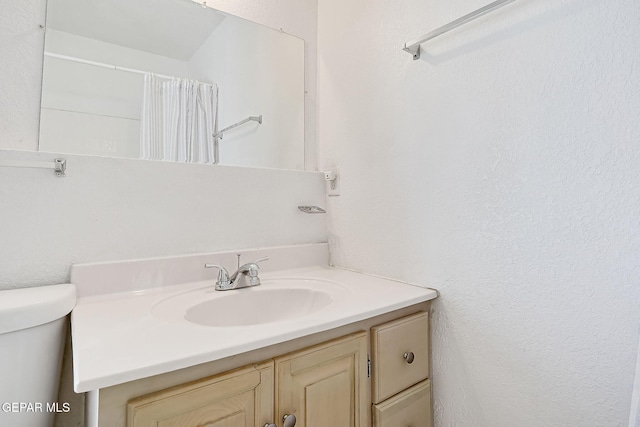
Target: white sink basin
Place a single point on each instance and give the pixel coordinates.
(259, 306)
(274, 300)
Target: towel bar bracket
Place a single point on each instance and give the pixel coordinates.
(60, 167)
(413, 50)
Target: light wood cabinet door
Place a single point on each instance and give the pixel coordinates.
(325, 385)
(241, 398)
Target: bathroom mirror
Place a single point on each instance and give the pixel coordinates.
(158, 79)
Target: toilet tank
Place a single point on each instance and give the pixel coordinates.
(33, 328)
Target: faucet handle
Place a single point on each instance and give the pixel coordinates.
(254, 280)
(254, 267)
(223, 275)
(266, 258)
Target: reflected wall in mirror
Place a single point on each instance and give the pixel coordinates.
(157, 79)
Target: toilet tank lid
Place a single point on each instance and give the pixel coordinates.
(29, 307)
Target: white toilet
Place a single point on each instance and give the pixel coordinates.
(33, 328)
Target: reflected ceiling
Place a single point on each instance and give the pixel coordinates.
(141, 24)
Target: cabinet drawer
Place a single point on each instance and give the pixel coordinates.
(400, 355)
(409, 408)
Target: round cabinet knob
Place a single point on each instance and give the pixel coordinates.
(409, 357)
(289, 420)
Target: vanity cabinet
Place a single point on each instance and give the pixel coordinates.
(323, 379)
(324, 385)
(401, 389)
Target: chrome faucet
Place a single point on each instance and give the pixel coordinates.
(245, 276)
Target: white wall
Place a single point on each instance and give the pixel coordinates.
(259, 71)
(21, 47)
(502, 169)
(112, 209)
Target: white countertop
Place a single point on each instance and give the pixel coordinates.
(117, 338)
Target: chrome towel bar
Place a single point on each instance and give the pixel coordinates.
(58, 165)
(258, 119)
(413, 47)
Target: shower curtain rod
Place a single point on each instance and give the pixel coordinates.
(413, 47)
(109, 66)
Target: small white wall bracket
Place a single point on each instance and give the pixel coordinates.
(60, 167)
(332, 177)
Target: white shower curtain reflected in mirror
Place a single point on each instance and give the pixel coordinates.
(178, 120)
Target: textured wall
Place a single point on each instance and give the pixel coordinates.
(21, 46)
(502, 169)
